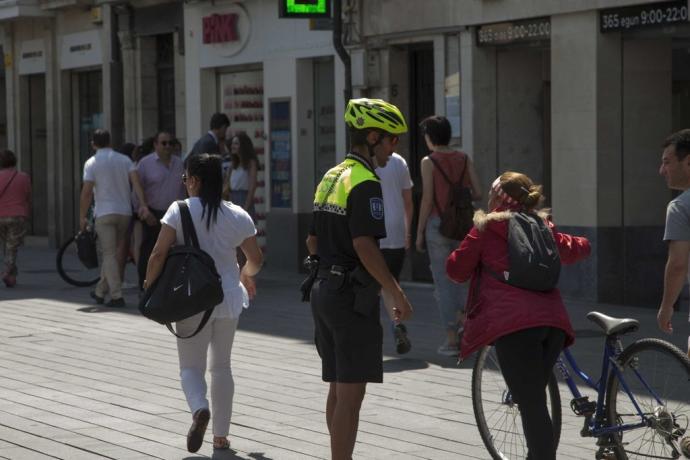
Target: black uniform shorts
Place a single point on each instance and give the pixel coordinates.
(349, 343)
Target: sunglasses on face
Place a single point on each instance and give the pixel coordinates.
(165, 143)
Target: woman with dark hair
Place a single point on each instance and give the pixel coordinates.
(458, 167)
(528, 328)
(221, 227)
(131, 150)
(15, 208)
(241, 181)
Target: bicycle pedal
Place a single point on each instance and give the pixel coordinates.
(583, 406)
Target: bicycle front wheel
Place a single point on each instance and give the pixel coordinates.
(657, 374)
(497, 415)
(70, 268)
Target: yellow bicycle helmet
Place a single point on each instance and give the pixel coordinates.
(375, 114)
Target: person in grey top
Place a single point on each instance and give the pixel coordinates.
(675, 167)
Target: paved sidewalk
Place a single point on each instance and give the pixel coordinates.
(78, 381)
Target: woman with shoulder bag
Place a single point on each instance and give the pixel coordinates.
(221, 228)
(456, 167)
(528, 327)
(15, 209)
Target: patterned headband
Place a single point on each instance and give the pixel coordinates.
(498, 190)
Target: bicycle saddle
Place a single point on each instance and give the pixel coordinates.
(612, 325)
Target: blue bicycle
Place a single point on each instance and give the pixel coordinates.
(641, 408)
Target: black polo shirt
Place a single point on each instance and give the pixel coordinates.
(364, 217)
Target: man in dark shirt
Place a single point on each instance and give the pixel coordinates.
(210, 142)
(348, 221)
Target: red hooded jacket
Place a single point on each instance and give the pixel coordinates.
(494, 308)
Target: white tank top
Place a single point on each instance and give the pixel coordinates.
(239, 179)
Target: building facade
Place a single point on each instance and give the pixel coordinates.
(578, 95)
(147, 65)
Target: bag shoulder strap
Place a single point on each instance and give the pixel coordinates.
(447, 179)
(204, 320)
(445, 176)
(190, 238)
(8, 184)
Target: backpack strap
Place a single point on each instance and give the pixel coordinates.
(190, 238)
(447, 179)
(8, 183)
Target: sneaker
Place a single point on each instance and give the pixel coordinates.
(116, 303)
(448, 350)
(99, 300)
(9, 280)
(402, 343)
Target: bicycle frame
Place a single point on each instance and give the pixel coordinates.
(597, 425)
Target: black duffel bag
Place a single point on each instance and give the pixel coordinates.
(87, 252)
(189, 283)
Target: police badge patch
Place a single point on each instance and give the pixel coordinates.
(376, 208)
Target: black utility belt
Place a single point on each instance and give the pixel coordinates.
(333, 270)
(339, 279)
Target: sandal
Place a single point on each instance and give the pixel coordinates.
(221, 443)
(195, 437)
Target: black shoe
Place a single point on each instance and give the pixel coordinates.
(402, 343)
(116, 303)
(195, 436)
(94, 296)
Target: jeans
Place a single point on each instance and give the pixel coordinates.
(218, 335)
(450, 296)
(527, 358)
(111, 230)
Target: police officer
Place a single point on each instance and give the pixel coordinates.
(347, 222)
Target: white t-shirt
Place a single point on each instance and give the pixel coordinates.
(239, 179)
(220, 241)
(109, 171)
(395, 177)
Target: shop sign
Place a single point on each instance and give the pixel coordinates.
(643, 16)
(32, 57)
(506, 33)
(82, 49)
(224, 33)
(220, 28)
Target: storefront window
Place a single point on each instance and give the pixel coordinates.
(242, 99)
(324, 108)
(90, 110)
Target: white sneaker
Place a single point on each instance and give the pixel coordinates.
(448, 350)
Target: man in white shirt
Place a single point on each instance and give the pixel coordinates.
(107, 177)
(396, 185)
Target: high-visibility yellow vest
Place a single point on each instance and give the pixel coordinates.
(335, 187)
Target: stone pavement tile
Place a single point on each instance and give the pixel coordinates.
(38, 442)
(21, 453)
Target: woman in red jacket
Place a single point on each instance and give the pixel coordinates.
(528, 328)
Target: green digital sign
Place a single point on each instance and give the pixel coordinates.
(305, 8)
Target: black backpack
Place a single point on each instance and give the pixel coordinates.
(456, 219)
(188, 284)
(534, 262)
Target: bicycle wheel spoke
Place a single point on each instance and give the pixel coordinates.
(498, 417)
(656, 374)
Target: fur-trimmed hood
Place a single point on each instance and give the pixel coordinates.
(481, 219)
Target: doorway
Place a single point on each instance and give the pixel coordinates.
(165, 78)
(34, 149)
(421, 97)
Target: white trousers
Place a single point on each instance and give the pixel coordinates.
(218, 335)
